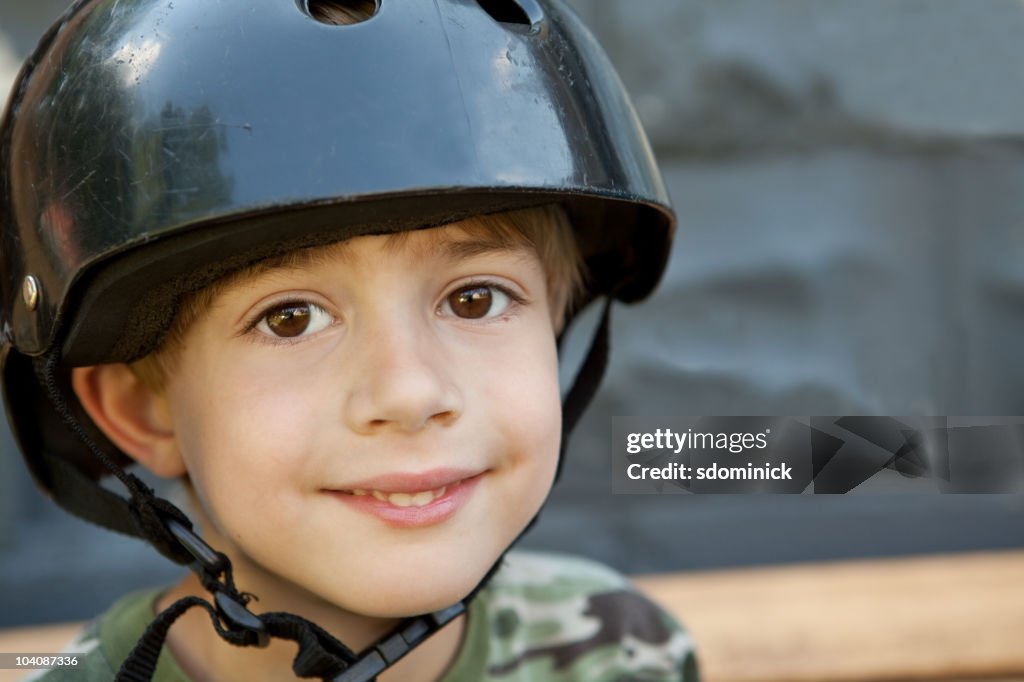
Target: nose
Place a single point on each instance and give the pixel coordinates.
(403, 380)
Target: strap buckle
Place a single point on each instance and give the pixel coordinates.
(211, 565)
(410, 634)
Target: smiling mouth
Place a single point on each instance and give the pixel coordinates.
(415, 499)
(412, 500)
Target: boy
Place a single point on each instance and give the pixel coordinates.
(313, 260)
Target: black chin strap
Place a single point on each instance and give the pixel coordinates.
(320, 654)
(163, 525)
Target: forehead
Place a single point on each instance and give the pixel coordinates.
(464, 239)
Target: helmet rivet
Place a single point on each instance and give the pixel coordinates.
(30, 292)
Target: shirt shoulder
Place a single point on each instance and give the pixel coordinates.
(555, 617)
(104, 644)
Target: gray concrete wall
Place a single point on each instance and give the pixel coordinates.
(848, 179)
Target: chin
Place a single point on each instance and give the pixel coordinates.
(410, 607)
(424, 593)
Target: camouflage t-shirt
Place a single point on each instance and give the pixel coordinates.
(542, 618)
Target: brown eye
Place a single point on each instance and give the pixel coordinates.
(477, 301)
(292, 320)
(471, 302)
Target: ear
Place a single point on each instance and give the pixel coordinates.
(133, 416)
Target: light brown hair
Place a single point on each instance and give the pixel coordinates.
(342, 13)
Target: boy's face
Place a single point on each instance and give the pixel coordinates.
(374, 428)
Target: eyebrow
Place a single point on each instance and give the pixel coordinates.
(467, 248)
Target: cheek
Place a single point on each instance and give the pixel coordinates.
(526, 410)
(243, 433)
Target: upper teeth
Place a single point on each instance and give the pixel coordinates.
(419, 499)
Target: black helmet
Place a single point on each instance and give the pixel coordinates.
(150, 147)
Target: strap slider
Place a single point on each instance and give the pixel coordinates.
(211, 561)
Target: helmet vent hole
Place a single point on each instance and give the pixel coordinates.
(342, 12)
(506, 12)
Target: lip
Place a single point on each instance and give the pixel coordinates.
(459, 486)
(412, 482)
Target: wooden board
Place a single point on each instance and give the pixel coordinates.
(954, 617)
